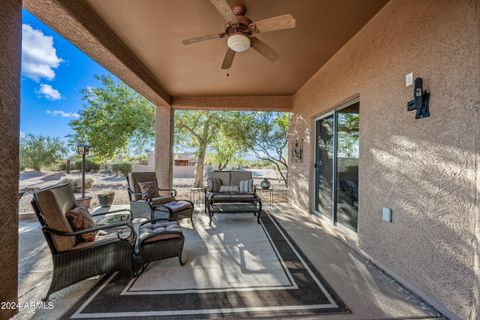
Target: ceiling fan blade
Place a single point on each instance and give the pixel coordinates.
(286, 21)
(202, 38)
(224, 9)
(264, 49)
(228, 60)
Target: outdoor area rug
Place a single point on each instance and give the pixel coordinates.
(235, 268)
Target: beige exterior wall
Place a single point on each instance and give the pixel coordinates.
(10, 39)
(425, 170)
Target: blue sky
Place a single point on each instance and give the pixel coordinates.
(53, 73)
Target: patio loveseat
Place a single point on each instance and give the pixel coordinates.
(231, 192)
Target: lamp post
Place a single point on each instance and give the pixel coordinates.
(82, 149)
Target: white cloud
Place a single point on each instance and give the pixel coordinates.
(39, 57)
(63, 114)
(48, 92)
(22, 134)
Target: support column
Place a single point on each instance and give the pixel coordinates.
(164, 117)
(10, 51)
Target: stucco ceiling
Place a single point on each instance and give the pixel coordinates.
(153, 31)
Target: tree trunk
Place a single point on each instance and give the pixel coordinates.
(200, 166)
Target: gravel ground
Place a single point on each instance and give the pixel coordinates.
(32, 181)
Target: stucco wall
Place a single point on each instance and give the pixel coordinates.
(10, 39)
(425, 170)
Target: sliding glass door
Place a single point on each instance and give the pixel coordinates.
(336, 166)
(324, 166)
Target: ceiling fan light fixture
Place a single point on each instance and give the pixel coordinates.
(238, 42)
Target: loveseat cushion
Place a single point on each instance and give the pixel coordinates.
(229, 189)
(224, 176)
(237, 176)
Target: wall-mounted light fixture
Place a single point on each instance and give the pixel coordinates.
(420, 100)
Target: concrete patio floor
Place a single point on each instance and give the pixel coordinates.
(367, 291)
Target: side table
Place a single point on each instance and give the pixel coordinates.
(269, 193)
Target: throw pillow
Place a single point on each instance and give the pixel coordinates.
(246, 186)
(81, 219)
(149, 189)
(214, 184)
(229, 189)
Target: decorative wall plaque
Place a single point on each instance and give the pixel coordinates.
(297, 150)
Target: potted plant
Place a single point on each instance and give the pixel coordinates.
(265, 184)
(105, 198)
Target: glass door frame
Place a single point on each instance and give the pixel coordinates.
(333, 215)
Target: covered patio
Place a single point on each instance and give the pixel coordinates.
(410, 248)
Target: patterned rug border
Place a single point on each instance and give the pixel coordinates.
(340, 309)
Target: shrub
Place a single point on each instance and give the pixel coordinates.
(124, 168)
(40, 152)
(89, 165)
(76, 184)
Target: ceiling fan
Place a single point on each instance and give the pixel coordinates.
(240, 32)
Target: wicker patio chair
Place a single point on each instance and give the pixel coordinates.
(159, 207)
(75, 260)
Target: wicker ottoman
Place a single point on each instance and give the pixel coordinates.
(160, 241)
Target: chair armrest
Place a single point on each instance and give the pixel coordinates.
(155, 220)
(94, 229)
(134, 194)
(173, 192)
(114, 211)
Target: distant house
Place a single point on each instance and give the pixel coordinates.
(184, 165)
(184, 160)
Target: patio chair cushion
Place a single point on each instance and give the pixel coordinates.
(81, 219)
(159, 231)
(177, 206)
(246, 185)
(214, 184)
(162, 200)
(149, 189)
(54, 203)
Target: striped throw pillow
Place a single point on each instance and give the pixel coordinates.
(213, 184)
(246, 186)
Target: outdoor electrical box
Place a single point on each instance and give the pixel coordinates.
(386, 214)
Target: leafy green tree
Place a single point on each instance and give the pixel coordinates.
(225, 149)
(263, 133)
(197, 129)
(40, 152)
(114, 119)
(348, 135)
